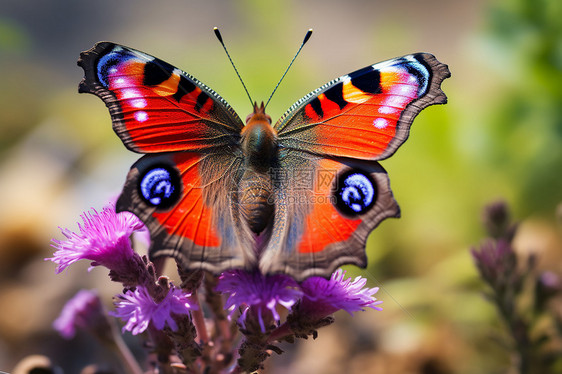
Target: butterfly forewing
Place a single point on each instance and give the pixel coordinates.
(366, 114)
(154, 106)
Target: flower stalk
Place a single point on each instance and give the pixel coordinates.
(501, 269)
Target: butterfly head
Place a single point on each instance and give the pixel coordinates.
(259, 139)
(258, 115)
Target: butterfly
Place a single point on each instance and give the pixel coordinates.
(298, 197)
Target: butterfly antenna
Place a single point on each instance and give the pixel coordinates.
(306, 37)
(219, 37)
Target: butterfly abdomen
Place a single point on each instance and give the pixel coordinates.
(255, 191)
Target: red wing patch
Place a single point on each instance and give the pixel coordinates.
(154, 106)
(366, 114)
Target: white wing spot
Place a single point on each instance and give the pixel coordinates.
(397, 101)
(380, 123)
(387, 110)
(133, 97)
(404, 90)
(130, 94)
(141, 116)
(139, 103)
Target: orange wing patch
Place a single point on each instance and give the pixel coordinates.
(168, 87)
(354, 95)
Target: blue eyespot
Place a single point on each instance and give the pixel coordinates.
(160, 186)
(355, 193)
(108, 64)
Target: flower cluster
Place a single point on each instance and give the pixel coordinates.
(252, 291)
(173, 316)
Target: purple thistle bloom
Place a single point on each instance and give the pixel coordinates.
(103, 239)
(138, 309)
(262, 294)
(84, 311)
(323, 297)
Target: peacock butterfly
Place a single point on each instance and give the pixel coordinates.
(299, 197)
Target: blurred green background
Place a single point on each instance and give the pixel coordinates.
(499, 137)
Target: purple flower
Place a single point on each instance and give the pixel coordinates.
(138, 309)
(103, 239)
(497, 264)
(258, 294)
(323, 297)
(84, 310)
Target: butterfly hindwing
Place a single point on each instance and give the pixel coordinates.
(324, 210)
(188, 202)
(366, 114)
(154, 106)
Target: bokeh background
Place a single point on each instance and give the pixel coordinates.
(499, 137)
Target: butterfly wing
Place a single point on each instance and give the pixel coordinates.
(324, 210)
(188, 201)
(154, 106)
(366, 114)
(183, 188)
(334, 135)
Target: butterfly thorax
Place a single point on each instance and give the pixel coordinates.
(259, 140)
(259, 146)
